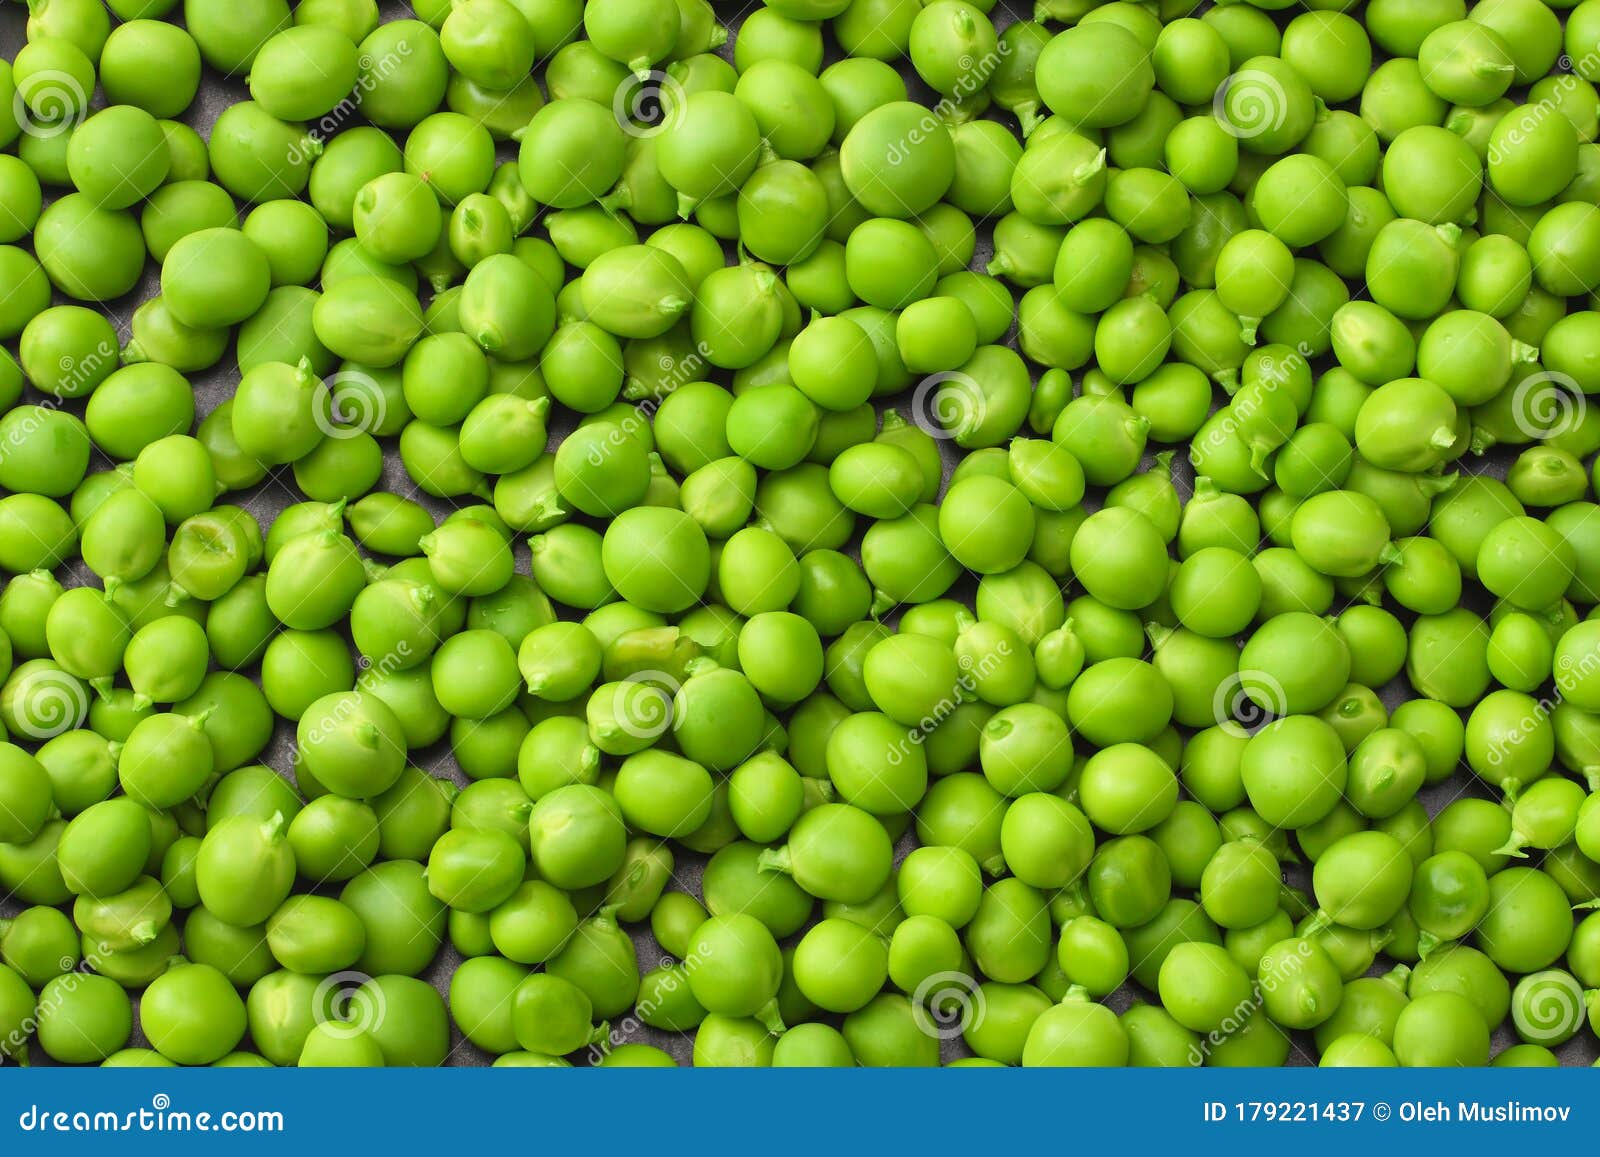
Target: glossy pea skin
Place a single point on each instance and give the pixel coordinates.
(474, 871)
(1380, 892)
(1200, 985)
(85, 1020)
(1440, 1028)
(404, 923)
(1239, 886)
(118, 156)
(192, 1015)
(368, 319)
(532, 924)
(824, 864)
(333, 838)
(303, 73)
(118, 824)
(942, 882)
(245, 853)
(567, 815)
(663, 794)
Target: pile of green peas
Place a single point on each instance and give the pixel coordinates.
(889, 534)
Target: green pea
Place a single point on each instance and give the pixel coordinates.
(91, 869)
(83, 1019)
(128, 919)
(531, 925)
(404, 923)
(68, 230)
(474, 871)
